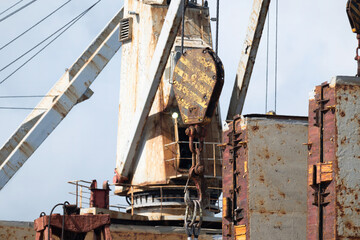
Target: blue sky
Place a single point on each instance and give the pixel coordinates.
(315, 44)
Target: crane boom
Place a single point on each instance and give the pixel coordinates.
(72, 88)
(248, 56)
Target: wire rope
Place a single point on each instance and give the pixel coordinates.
(27, 30)
(17, 10)
(44, 40)
(1, 13)
(217, 26)
(65, 28)
(276, 52)
(27, 96)
(21, 108)
(267, 61)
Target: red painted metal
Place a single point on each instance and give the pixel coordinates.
(118, 178)
(234, 156)
(75, 226)
(319, 227)
(99, 198)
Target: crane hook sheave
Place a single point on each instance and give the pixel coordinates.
(197, 81)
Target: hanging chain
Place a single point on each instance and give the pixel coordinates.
(196, 174)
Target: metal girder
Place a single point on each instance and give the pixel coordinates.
(248, 56)
(72, 88)
(156, 70)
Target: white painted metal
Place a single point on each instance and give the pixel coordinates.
(248, 56)
(72, 88)
(127, 150)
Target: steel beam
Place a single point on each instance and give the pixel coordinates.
(72, 88)
(156, 70)
(248, 56)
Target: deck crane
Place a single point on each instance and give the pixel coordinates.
(126, 30)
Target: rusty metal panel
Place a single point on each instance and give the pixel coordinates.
(270, 177)
(25, 231)
(334, 153)
(132, 232)
(17, 230)
(348, 156)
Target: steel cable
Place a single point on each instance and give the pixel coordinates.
(267, 62)
(41, 42)
(17, 10)
(65, 27)
(1, 13)
(276, 52)
(28, 96)
(183, 25)
(20, 35)
(217, 26)
(63, 219)
(21, 108)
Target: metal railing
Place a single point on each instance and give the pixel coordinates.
(81, 194)
(214, 156)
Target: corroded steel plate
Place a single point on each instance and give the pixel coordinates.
(353, 11)
(198, 80)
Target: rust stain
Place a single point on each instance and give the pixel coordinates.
(58, 107)
(282, 212)
(26, 149)
(255, 128)
(282, 194)
(279, 126)
(262, 178)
